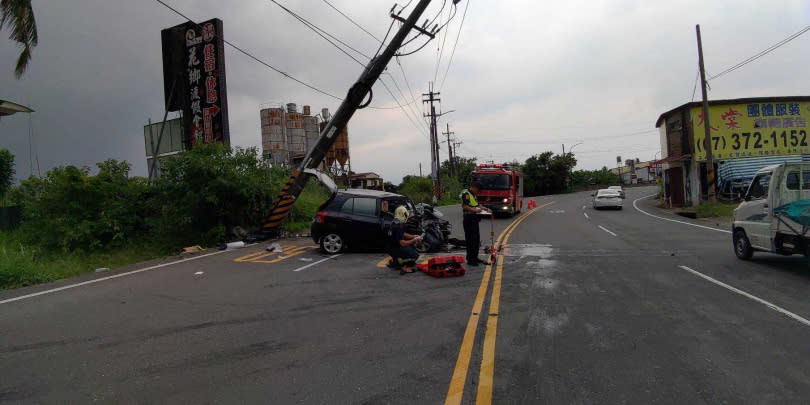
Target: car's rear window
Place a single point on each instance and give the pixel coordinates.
(608, 193)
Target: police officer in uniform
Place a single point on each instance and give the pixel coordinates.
(472, 234)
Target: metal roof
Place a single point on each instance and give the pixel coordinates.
(748, 100)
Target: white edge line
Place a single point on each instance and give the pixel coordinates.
(606, 230)
(318, 262)
(672, 220)
(747, 295)
(586, 215)
(98, 280)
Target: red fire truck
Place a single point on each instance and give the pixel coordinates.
(501, 187)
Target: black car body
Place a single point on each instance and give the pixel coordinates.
(356, 218)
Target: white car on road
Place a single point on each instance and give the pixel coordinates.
(607, 198)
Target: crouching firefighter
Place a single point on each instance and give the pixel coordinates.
(472, 234)
(400, 244)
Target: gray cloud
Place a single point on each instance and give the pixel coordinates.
(537, 74)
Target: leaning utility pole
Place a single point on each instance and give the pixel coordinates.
(449, 148)
(353, 101)
(434, 142)
(707, 141)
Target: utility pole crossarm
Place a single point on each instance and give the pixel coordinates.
(353, 101)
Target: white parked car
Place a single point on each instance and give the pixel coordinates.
(607, 198)
(617, 188)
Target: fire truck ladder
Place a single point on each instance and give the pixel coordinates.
(353, 102)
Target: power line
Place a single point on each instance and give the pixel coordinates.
(419, 129)
(463, 16)
(553, 141)
(410, 104)
(352, 21)
(762, 53)
(694, 88)
(275, 69)
(319, 31)
(440, 49)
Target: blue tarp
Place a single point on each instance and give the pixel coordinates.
(798, 211)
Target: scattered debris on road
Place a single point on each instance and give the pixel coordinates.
(102, 269)
(193, 249)
(274, 248)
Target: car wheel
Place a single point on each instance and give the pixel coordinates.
(742, 247)
(332, 243)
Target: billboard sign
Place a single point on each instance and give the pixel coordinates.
(203, 94)
(753, 130)
(171, 141)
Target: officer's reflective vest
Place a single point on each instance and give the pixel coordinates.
(473, 202)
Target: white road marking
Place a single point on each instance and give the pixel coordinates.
(318, 262)
(583, 207)
(747, 295)
(98, 280)
(586, 215)
(199, 273)
(672, 220)
(606, 230)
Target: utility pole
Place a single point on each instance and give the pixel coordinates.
(434, 141)
(449, 147)
(707, 141)
(456, 144)
(420, 169)
(355, 99)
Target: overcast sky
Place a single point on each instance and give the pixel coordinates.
(526, 76)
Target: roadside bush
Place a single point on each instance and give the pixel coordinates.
(6, 173)
(418, 189)
(202, 194)
(70, 210)
(200, 197)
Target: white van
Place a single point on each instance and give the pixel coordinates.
(775, 215)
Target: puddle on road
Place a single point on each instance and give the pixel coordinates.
(536, 250)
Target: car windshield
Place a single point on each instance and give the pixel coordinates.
(607, 193)
(493, 181)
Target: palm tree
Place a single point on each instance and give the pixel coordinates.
(19, 15)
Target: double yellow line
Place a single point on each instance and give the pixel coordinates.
(288, 252)
(485, 378)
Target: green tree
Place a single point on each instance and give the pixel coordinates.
(212, 188)
(6, 172)
(547, 173)
(418, 189)
(19, 16)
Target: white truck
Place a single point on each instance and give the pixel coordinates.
(775, 215)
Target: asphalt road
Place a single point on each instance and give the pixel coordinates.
(585, 307)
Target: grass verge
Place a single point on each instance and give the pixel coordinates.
(23, 265)
(707, 209)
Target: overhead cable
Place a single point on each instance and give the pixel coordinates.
(275, 69)
(352, 21)
(762, 53)
(321, 32)
(463, 16)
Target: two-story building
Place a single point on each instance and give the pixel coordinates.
(746, 135)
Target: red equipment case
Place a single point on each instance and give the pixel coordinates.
(446, 266)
